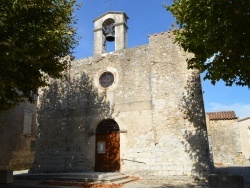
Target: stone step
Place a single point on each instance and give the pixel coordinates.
(71, 179)
(123, 181)
(71, 182)
(100, 179)
(117, 178)
(50, 176)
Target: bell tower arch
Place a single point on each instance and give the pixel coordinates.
(110, 27)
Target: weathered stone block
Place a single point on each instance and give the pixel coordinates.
(225, 181)
(6, 176)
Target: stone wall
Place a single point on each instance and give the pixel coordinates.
(67, 112)
(224, 139)
(16, 147)
(155, 100)
(244, 127)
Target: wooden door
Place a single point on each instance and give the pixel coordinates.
(107, 148)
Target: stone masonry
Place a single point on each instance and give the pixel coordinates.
(227, 152)
(156, 101)
(226, 139)
(16, 143)
(244, 126)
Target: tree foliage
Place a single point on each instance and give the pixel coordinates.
(217, 32)
(35, 35)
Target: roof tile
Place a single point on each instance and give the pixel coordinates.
(224, 115)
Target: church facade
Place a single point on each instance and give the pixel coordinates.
(138, 111)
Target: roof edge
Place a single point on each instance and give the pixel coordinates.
(111, 12)
(222, 115)
(243, 119)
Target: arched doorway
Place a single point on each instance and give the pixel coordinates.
(107, 157)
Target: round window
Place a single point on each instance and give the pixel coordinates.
(106, 79)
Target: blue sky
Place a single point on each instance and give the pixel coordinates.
(149, 17)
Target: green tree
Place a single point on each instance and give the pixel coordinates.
(35, 35)
(217, 32)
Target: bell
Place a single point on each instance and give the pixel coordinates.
(110, 33)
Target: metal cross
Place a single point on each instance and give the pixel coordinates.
(109, 3)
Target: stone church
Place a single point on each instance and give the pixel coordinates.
(138, 111)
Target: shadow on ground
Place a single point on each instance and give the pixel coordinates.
(235, 170)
